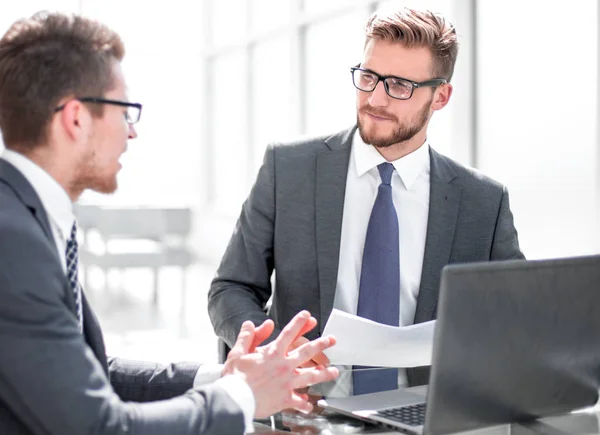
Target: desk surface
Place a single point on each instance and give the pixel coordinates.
(326, 422)
(292, 423)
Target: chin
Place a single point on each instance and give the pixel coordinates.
(105, 190)
(373, 137)
(106, 186)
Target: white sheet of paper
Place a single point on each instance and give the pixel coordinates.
(363, 342)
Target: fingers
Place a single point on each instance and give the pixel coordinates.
(301, 391)
(321, 359)
(308, 377)
(303, 396)
(308, 326)
(309, 350)
(261, 333)
(244, 340)
(318, 359)
(299, 341)
(300, 404)
(291, 331)
(308, 364)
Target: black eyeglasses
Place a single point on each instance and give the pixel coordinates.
(396, 87)
(133, 114)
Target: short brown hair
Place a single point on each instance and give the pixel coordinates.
(44, 59)
(415, 29)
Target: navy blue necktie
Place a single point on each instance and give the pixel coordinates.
(72, 256)
(379, 293)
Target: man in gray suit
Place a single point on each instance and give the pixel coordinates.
(65, 120)
(364, 220)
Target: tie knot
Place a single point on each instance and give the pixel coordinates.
(386, 170)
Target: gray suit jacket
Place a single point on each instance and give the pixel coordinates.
(53, 379)
(291, 223)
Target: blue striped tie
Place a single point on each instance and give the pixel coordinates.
(72, 256)
(379, 294)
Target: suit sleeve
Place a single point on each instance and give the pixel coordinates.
(505, 245)
(140, 381)
(242, 285)
(50, 379)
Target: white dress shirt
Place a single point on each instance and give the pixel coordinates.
(59, 208)
(410, 194)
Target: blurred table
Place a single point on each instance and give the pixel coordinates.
(325, 422)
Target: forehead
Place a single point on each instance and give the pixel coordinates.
(393, 58)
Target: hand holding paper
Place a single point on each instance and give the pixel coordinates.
(363, 342)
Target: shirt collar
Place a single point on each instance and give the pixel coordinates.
(366, 157)
(55, 200)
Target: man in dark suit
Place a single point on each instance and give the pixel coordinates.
(364, 220)
(65, 120)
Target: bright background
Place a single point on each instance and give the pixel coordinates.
(220, 79)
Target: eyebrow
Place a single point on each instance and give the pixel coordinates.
(385, 75)
(390, 75)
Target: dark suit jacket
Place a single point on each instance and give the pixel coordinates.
(291, 223)
(53, 379)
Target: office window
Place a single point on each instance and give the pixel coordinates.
(230, 139)
(164, 167)
(164, 71)
(316, 6)
(12, 11)
(292, 63)
(538, 93)
(271, 96)
(266, 15)
(332, 47)
(229, 20)
(279, 53)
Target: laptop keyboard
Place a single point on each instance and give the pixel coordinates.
(413, 415)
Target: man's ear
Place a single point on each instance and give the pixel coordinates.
(442, 96)
(74, 119)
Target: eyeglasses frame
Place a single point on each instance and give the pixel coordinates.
(414, 85)
(98, 100)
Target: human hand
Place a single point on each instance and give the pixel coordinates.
(299, 340)
(272, 371)
(318, 360)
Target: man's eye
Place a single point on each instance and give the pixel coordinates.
(368, 78)
(399, 84)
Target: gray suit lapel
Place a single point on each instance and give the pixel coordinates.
(331, 173)
(444, 201)
(24, 190)
(27, 194)
(93, 333)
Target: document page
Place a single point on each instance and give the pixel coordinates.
(363, 342)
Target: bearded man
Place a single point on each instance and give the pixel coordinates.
(364, 220)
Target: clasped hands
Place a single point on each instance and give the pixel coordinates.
(277, 372)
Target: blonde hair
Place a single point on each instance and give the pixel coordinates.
(415, 29)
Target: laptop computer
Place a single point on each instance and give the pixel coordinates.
(514, 341)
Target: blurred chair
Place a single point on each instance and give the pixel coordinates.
(124, 238)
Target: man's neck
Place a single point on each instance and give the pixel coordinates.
(58, 168)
